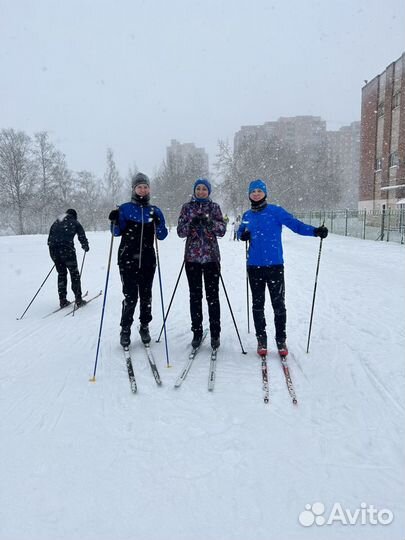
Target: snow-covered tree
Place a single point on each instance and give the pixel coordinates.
(16, 175)
(112, 181)
(45, 160)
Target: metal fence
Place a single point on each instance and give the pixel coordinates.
(386, 225)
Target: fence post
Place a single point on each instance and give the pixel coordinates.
(346, 217)
(364, 224)
(382, 224)
(331, 221)
(388, 224)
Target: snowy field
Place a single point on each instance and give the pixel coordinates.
(91, 461)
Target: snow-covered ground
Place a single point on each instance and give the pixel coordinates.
(91, 461)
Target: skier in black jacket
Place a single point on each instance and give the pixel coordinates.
(137, 222)
(63, 254)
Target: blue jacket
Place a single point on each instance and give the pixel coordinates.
(136, 226)
(265, 227)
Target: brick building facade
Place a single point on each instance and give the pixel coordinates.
(382, 146)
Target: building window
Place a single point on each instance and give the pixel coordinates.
(396, 100)
(380, 109)
(378, 164)
(393, 159)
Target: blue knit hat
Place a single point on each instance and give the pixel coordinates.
(257, 184)
(204, 182)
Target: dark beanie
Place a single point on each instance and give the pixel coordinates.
(72, 212)
(140, 178)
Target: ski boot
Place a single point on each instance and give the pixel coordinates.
(282, 348)
(197, 338)
(80, 301)
(125, 336)
(63, 302)
(262, 345)
(144, 333)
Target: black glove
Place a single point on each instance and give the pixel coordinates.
(156, 219)
(206, 222)
(114, 215)
(86, 247)
(321, 231)
(245, 236)
(196, 221)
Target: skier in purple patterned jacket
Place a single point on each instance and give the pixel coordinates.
(201, 222)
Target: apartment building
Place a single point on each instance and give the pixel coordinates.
(382, 152)
(343, 150)
(181, 152)
(296, 131)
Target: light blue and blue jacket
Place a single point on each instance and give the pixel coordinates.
(265, 228)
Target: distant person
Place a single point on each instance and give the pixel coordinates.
(262, 226)
(236, 227)
(136, 222)
(63, 254)
(201, 222)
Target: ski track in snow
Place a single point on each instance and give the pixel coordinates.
(89, 460)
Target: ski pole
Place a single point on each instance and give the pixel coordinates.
(233, 318)
(313, 298)
(171, 301)
(49, 273)
(80, 278)
(93, 379)
(247, 291)
(161, 298)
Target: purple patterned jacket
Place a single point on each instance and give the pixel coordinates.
(201, 245)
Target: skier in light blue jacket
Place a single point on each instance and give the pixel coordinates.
(262, 226)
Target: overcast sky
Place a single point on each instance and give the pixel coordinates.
(132, 74)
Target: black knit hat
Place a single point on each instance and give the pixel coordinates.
(140, 178)
(72, 212)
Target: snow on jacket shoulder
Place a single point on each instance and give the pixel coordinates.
(136, 226)
(201, 245)
(63, 231)
(265, 227)
(131, 211)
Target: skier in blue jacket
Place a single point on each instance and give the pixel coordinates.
(262, 226)
(136, 222)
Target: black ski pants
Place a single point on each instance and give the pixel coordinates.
(211, 272)
(137, 282)
(65, 259)
(273, 277)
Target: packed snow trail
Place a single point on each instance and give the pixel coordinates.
(88, 461)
